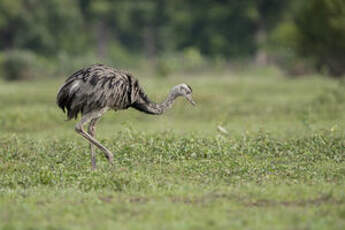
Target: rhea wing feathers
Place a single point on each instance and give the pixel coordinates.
(96, 87)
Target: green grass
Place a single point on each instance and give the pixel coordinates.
(281, 165)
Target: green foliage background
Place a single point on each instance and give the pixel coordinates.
(298, 36)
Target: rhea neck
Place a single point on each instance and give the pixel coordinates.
(144, 104)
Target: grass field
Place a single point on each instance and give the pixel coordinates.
(280, 166)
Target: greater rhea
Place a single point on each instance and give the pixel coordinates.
(96, 89)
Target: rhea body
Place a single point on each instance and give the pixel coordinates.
(96, 89)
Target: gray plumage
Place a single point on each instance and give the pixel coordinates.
(93, 90)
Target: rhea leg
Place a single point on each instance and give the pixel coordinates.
(91, 131)
(80, 129)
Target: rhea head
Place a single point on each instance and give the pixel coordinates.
(185, 91)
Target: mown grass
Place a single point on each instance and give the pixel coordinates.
(280, 166)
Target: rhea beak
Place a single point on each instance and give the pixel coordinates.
(190, 99)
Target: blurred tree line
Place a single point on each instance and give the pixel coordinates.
(299, 36)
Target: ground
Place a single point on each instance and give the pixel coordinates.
(281, 164)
